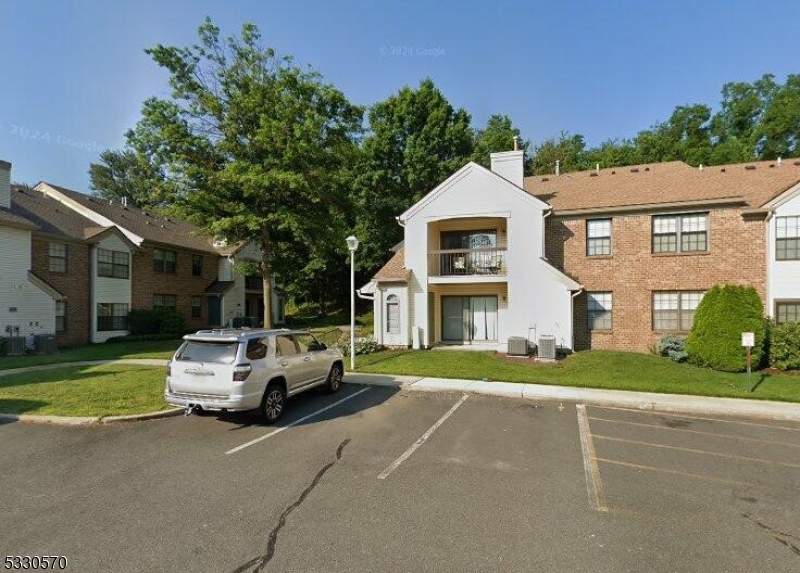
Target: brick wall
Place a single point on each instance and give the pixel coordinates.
(146, 282)
(74, 285)
(736, 254)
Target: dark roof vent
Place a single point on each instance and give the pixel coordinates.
(613, 173)
(635, 170)
(750, 167)
(545, 179)
(722, 170)
(797, 163)
(647, 169)
(593, 174)
(772, 165)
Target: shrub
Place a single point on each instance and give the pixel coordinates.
(673, 346)
(784, 348)
(170, 321)
(363, 346)
(142, 338)
(142, 321)
(724, 313)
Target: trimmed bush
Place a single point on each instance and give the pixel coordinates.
(142, 322)
(142, 338)
(724, 313)
(784, 347)
(363, 346)
(170, 321)
(673, 346)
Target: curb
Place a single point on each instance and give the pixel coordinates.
(88, 420)
(142, 417)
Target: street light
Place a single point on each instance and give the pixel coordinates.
(352, 246)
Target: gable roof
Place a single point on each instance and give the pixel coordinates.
(148, 226)
(394, 270)
(650, 185)
(469, 168)
(49, 215)
(10, 218)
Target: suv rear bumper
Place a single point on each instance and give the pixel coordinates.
(232, 403)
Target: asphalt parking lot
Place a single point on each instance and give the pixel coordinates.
(383, 479)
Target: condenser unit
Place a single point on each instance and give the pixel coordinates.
(44, 343)
(15, 345)
(547, 347)
(517, 346)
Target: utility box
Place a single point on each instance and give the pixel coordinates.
(517, 346)
(44, 343)
(547, 347)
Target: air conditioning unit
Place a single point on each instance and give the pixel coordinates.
(517, 346)
(547, 347)
(15, 345)
(44, 343)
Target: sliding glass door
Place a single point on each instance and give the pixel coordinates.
(469, 318)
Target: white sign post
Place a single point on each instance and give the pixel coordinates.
(748, 341)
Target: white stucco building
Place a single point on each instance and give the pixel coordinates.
(471, 270)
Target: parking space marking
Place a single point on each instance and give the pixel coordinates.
(723, 420)
(298, 421)
(696, 451)
(675, 472)
(395, 464)
(594, 485)
(688, 431)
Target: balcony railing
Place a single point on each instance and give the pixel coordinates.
(467, 262)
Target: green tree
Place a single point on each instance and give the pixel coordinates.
(129, 175)
(685, 136)
(254, 143)
(779, 130)
(498, 135)
(568, 150)
(723, 314)
(416, 140)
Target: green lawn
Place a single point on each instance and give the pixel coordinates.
(106, 390)
(153, 349)
(590, 369)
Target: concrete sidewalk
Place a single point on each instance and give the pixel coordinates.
(668, 403)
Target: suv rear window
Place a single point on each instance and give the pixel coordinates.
(201, 351)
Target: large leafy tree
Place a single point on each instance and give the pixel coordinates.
(125, 174)
(498, 135)
(568, 150)
(255, 146)
(416, 140)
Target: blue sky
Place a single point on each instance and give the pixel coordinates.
(76, 74)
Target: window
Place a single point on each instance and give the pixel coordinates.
(680, 233)
(307, 342)
(197, 307)
(197, 265)
(257, 349)
(393, 314)
(112, 264)
(61, 316)
(787, 238)
(58, 258)
(787, 311)
(164, 261)
(112, 316)
(675, 310)
(469, 239)
(599, 310)
(164, 301)
(284, 345)
(598, 237)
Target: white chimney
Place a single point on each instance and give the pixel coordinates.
(510, 165)
(558, 167)
(5, 184)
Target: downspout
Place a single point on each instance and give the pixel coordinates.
(545, 215)
(364, 296)
(572, 313)
(400, 221)
(767, 283)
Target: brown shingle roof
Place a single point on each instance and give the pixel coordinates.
(395, 269)
(755, 183)
(13, 219)
(151, 227)
(51, 217)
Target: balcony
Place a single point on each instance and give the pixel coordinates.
(484, 264)
(254, 283)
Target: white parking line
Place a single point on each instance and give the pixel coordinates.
(705, 419)
(594, 485)
(385, 473)
(299, 421)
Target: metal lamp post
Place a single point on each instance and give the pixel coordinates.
(352, 246)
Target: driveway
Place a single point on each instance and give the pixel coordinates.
(381, 479)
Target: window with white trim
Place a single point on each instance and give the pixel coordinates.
(674, 311)
(787, 311)
(164, 301)
(787, 238)
(112, 316)
(393, 314)
(113, 264)
(600, 306)
(197, 307)
(598, 237)
(58, 258)
(164, 261)
(680, 233)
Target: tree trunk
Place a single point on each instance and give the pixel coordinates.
(266, 273)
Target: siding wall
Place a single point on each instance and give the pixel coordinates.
(784, 276)
(109, 290)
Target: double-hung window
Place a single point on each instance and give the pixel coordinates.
(674, 310)
(58, 258)
(599, 310)
(164, 301)
(112, 264)
(164, 261)
(598, 237)
(787, 238)
(680, 233)
(112, 316)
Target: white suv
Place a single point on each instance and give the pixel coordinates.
(243, 369)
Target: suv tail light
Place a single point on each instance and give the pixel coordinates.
(241, 372)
